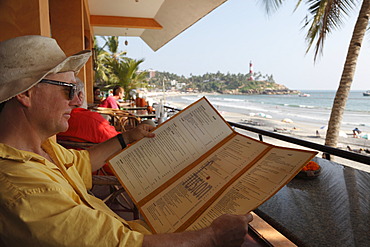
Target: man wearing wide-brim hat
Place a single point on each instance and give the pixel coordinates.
(43, 192)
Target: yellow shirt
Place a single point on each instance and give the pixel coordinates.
(47, 204)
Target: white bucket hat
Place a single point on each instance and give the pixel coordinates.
(26, 60)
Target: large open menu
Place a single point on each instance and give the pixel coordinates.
(197, 168)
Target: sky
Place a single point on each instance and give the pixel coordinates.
(240, 31)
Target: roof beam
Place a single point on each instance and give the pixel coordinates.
(121, 21)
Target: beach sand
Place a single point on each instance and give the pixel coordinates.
(298, 130)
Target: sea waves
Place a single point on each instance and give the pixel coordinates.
(314, 110)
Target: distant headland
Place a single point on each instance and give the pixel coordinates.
(254, 83)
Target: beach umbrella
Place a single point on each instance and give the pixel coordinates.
(287, 120)
(365, 136)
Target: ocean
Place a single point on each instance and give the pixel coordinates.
(313, 110)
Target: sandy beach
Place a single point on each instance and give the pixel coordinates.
(300, 130)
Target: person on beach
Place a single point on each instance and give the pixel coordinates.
(356, 132)
(43, 193)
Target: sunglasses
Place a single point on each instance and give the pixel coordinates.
(72, 87)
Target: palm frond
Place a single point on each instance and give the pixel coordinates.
(271, 5)
(325, 17)
(112, 43)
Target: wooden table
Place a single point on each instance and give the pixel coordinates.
(117, 116)
(330, 210)
(145, 116)
(132, 108)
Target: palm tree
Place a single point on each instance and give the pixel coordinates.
(327, 15)
(349, 69)
(112, 43)
(101, 72)
(125, 73)
(135, 79)
(104, 55)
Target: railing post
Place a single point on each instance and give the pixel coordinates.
(260, 137)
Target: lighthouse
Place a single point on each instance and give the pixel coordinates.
(250, 72)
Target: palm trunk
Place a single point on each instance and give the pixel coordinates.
(347, 75)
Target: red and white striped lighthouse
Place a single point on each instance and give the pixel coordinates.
(250, 72)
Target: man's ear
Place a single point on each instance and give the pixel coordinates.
(25, 98)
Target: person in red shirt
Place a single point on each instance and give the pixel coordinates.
(111, 101)
(86, 125)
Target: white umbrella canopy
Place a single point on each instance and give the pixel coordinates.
(287, 120)
(364, 135)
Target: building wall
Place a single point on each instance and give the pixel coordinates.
(67, 21)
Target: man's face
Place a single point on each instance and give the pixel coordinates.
(52, 104)
(120, 94)
(97, 93)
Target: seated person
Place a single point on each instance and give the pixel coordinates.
(86, 125)
(43, 193)
(356, 132)
(97, 95)
(111, 101)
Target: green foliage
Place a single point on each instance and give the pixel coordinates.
(114, 68)
(101, 72)
(325, 16)
(125, 73)
(218, 82)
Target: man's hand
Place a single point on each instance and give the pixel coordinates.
(138, 133)
(230, 230)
